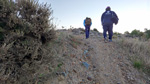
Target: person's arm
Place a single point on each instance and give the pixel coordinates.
(91, 23)
(84, 22)
(102, 18)
(115, 15)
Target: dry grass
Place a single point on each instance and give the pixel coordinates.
(138, 51)
(58, 51)
(25, 27)
(74, 42)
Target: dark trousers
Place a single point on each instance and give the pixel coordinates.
(108, 28)
(87, 31)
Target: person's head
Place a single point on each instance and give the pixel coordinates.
(108, 8)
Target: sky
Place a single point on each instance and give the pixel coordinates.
(133, 14)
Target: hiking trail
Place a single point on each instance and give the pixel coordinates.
(92, 61)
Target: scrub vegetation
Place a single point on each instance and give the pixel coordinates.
(33, 52)
(25, 27)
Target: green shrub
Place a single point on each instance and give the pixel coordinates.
(25, 25)
(1, 36)
(136, 33)
(95, 30)
(127, 33)
(138, 64)
(117, 33)
(147, 32)
(27, 16)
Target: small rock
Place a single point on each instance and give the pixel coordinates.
(57, 73)
(85, 64)
(87, 55)
(50, 69)
(80, 60)
(73, 63)
(61, 73)
(106, 75)
(94, 66)
(74, 71)
(89, 78)
(64, 55)
(1, 61)
(64, 74)
(85, 52)
(83, 80)
(148, 78)
(61, 78)
(130, 77)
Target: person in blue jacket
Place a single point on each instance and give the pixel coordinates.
(107, 23)
(87, 23)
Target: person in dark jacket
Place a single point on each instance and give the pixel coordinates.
(87, 23)
(107, 23)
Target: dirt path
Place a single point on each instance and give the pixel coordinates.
(104, 57)
(106, 64)
(111, 65)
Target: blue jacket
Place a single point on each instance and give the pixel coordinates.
(84, 23)
(107, 16)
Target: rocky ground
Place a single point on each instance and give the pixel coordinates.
(91, 61)
(72, 59)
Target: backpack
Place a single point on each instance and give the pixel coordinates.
(88, 21)
(114, 18)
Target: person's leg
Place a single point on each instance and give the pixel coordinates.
(105, 28)
(86, 31)
(110, 32)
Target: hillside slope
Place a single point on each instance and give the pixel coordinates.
(91, 61)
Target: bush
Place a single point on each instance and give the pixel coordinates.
(138, 64)
(137, 33)
(95, 30)
(117, 33)
(127, 33)
(26, 16)
(147, 32)
(25, 25)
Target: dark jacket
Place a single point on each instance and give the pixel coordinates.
(106, 18)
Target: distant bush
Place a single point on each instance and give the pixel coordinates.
(117, 33)
(142, 36)
(126, 32)
(147, 33)
(25, 25)
(95, 30)
(136, 33)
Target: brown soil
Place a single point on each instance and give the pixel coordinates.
(108, 63)
(63, 60)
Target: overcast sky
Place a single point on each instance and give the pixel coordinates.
(133, 14)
